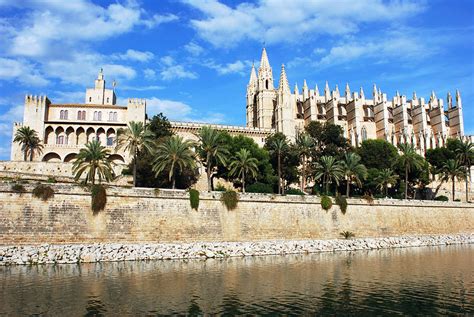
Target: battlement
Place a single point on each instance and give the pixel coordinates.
(37, 100)
(137, 101)
(222, 127)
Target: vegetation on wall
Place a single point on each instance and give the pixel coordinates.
(347, 234)
(98, 198)
(194, 198)
(43, 192)
(230, 198)
(326, 202)
(341, 201)
(18, 188)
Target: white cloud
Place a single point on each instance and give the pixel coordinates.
(22, 71)
(237, 67)
(142, 88)
(158, 19)
(194, 49)
(269, 20)
(172, 70)
(134, 55)
(149, 73)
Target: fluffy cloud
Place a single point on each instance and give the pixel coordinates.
(134, 55)
(269, 20)
(177, 110)
(194, 49)
(172, 70)
(237, 67)
(22, 71)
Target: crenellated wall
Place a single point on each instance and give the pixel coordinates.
(143, 215)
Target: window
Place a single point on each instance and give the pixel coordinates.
(107, 99)
(65, 114)
(90, 99)
(115, 116)
(60, 139)
(84, 115)
(99, 116)
(364, 134)
(266, 84)
(79, 115)
(61, 114)
(110, 141)
(95, 116)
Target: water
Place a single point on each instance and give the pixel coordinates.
(415, 281)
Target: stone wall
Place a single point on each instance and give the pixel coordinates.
(145, 215)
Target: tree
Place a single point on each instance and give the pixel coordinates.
(328, 139)
(277, 144)
(328, 169)
(160, 126)
(465, 156)
(93, 160)
(134, 139)
(377, 154)
(212, 150)
(29, 141)
(304, 145)
(353, 170)
(175, 155)
(243, 164)
(452, 169)
(384, 178)
(410, 160)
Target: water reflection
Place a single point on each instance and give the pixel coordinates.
(418, 281)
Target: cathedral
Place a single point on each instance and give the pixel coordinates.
(424, 124)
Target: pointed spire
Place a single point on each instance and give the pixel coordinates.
(316, 90)
(304, 85)
(458, 99)
(449, 100)
(348, 90)
(253, 75)
(361, 93)
(337, 90)
(414, 96)
(283, 86)
(100, 76)
(326, 88)
(297, 92)
(264, 63)
(433, 96)
(398, 94)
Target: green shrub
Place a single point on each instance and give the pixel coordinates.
(44, 192)
(341, 201)
(347, 234)
(194, 198)
(441, 198)
(98, 198)
(220, 188)
(156, 191)
(293, 191)
(230, 199)
(326, 202)
(260, 188)
(369, 198)
(457, 200)
(18, 188)
(51, 180)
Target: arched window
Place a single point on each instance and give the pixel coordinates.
(266, 84)
(107, 99)
(115, 116)
(61, 114)
(65, 114)
(364, 134)
(111, 116)
(84, 115)
(95, 116)
(110, 141)
(60, 139)
(99, 116)
(79, 115)
(90, 99)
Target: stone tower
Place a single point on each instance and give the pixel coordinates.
(266, 94)
(251, 99)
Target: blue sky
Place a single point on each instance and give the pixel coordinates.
(191, 59)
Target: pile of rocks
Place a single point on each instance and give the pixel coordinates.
(104, 252)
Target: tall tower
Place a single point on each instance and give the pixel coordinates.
(251, 99)
(266, 94)
(284, 114)
(99, 95)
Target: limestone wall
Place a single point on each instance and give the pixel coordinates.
(139, 215)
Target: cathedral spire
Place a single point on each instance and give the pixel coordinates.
(337, 90)
(305, 91)
(253, 75)
(375, 93)
(316, 90)
(264, 63)
(283, 86)
(348, 90)
(414, 96)
(433, 96)
(297, 92)
(458, 99)
(362, 95)
(449, 100)
(265, 76)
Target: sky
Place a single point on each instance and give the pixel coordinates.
(191, 59)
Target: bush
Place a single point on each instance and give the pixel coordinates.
(230, 199)
(99, 198)
(18, 188)
(441, 198)
(347, 234)
(194, 198)
(43, 192)
(293, 191)
(156, 191)
(326, 203)
(341, 201)
(220, 188)
(260, 188)
(369, 198)
(51, 180)
(458, 200)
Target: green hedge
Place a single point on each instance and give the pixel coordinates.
(260, 188)
(43, 192)
(326, 202)
(441, 198)
(341, 201)
(230, 199)
(294, 191)
(98, 198)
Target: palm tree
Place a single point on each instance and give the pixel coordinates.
(243, 164)
(135, 138)
(174, 154)
(409, 159)
(384, 178)
(304, 144)
(452, 169)
(329, 169)
(29, 140)
(465, 156)
(278, 146)
(353, 170)
(93, 160)
(211, 149)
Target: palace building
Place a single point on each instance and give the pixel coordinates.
(425, 124)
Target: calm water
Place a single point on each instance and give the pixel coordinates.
(417, 281)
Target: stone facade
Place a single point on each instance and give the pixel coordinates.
(66, 128)
(144, 215)
(424, 124)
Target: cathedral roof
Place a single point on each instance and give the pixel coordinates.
(283, 86)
